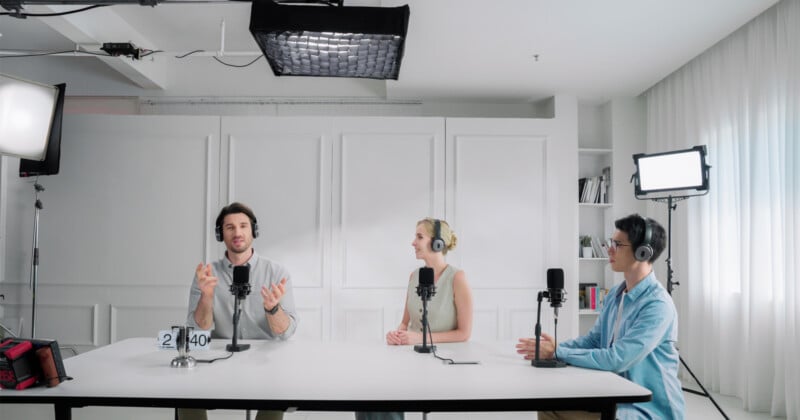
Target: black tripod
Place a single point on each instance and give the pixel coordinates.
(670, 200)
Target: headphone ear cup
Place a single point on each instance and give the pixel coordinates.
(643, 253)
(218, 233)
(437, 245)
(255, 230)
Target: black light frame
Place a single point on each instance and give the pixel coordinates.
(52, 159)
(703, 169)
(267, 17)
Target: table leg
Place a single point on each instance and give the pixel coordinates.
(63, 412)
(609, 412)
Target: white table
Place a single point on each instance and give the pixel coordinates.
(329, 376)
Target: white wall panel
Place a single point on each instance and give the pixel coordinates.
(498, 188)
(281, 168)
(510, 199)
(388, 173)
(127, 210)
(312, 323)
(387, 182)
(128, 321)
(363, 324)
(80, 321)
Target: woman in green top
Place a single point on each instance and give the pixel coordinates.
(449, 310)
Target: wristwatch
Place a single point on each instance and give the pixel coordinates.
(274, 309)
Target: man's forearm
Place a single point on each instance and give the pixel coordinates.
(204, 313)
(279, 322)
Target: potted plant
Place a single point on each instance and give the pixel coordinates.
(586, 246)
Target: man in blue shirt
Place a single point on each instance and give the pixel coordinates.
(635, 332)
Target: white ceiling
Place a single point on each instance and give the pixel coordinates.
(455, 50)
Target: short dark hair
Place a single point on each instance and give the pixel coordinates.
(635, 225)
(234, 208)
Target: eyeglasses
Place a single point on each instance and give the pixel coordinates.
(614, 244)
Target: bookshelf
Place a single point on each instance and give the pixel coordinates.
(595, 204)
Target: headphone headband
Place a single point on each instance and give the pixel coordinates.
(644, 251)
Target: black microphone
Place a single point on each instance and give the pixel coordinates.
(555, 288)
(241, 281)
(240, 289)
(555, 295)
(425, 288)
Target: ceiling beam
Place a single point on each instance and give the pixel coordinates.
(102, 25)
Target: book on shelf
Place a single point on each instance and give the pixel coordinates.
(587, 296)
(599, 248)
(590, 296)
(607, 177)
(593, 189)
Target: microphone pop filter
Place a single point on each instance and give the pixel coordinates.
(555, 278)
(241, 274)
(426, 276)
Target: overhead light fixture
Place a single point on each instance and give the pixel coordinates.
(330, 41)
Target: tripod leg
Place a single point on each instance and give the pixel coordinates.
(704, 393)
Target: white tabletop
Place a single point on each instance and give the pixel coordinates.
(329, 376)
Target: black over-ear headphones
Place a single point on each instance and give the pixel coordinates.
(437, 243)
(645, 250)
(253, 226)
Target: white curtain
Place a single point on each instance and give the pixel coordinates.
(736, 250)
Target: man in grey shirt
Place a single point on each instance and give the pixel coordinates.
(211, 304)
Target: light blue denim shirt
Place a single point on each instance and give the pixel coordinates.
(644, 350)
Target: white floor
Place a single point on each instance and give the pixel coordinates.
(700, 407)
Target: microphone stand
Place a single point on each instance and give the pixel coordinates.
(237, 312)
(424, 347)
(548, 363)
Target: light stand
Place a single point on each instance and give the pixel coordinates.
(665, 173)
(35, 257)
(670, 200)
(545, 363)
(424, 347)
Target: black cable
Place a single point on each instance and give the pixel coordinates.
(555, 337)
(445, 359)
(235, 65)
(214, 360)
(220, 61)
(54, 53)
(61, 378)
(24, 15)
(150, 52)
(189, 53)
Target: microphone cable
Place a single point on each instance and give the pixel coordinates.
(214, 360)
(446, 359)
(555, 338)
